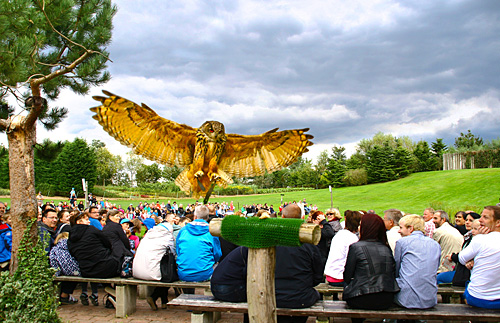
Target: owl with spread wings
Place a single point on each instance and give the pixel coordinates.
(208, 155)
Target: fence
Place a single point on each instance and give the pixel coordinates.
(472, 160)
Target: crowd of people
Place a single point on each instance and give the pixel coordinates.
(379, 260)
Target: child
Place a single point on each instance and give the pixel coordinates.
(5, 242)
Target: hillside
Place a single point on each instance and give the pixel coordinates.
(451, 190)
(456, 189)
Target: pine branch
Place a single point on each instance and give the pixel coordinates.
(65, 70)
(66, 38)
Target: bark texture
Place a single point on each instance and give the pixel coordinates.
(21, 139)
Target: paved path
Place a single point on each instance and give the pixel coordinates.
(78, 313)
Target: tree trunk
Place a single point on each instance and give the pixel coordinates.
(22, 139)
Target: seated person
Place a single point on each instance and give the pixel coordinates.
(483, 254)
(460, 275)
(370, 270)
(47, 227)
(120, 243)
(417, 261)
(5, 241)
(148, 257)
(298, 270)
(197, 250)
(229, 280)
(65, 264)
(334, 269)
(92, 249)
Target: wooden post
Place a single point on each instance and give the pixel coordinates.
(260, 273)
(260, 285)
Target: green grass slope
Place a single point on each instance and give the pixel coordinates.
(449, 190)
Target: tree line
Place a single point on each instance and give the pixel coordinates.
(60, 166)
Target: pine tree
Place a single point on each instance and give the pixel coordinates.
(380, 164)
(45, 46)
(4, 167)
(403, 161)
(425, 159)
(468, 141)
(76, 161)
(336, 168)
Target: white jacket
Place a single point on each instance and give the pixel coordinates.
(153, 246)
(338, 253)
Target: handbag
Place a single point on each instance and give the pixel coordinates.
(168, 267)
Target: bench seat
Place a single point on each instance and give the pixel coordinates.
(449, 293)
(126, 289)
(203, 305)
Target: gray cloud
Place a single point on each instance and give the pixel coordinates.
(425, 69)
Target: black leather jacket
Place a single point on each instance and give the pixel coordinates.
(370, 268)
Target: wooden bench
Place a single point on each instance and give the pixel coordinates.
(126, 289)
(203, 307)
(449, 294)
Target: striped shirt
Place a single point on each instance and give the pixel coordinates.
(429, 228)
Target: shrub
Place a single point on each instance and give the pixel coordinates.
(29, 295)
(356, 177)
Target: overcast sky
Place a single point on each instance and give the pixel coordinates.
(344, 69)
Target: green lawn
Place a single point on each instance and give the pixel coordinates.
(450, 190)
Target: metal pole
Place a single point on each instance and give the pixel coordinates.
(84, 186)
(331, 196)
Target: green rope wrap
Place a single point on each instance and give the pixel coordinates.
(261, 233)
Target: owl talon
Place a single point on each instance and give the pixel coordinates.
(198, 174)
(264, 215)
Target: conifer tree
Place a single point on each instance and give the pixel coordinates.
(76, 161)
(380, 164)
(45, 46)
(336, 168)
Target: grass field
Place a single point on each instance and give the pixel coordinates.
(448, 190)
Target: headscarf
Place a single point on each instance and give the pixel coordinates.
(372, 228)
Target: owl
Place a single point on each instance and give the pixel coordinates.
(207, 154)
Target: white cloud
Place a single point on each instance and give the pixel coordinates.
(346, 70)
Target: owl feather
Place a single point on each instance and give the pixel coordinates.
(207, 154)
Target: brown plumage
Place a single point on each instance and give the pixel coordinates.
(207, 154)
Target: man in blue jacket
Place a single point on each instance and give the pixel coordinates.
(197, 250)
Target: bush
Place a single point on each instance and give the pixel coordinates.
(356, 177)
(29, 295)
(235, 190)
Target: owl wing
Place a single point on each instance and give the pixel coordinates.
(246, 156)
(148, 134)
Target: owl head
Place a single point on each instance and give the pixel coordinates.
(213, 129)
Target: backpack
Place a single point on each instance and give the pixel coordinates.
(168, 267)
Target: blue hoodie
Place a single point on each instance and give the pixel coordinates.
(5, 242)
(197, 252)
